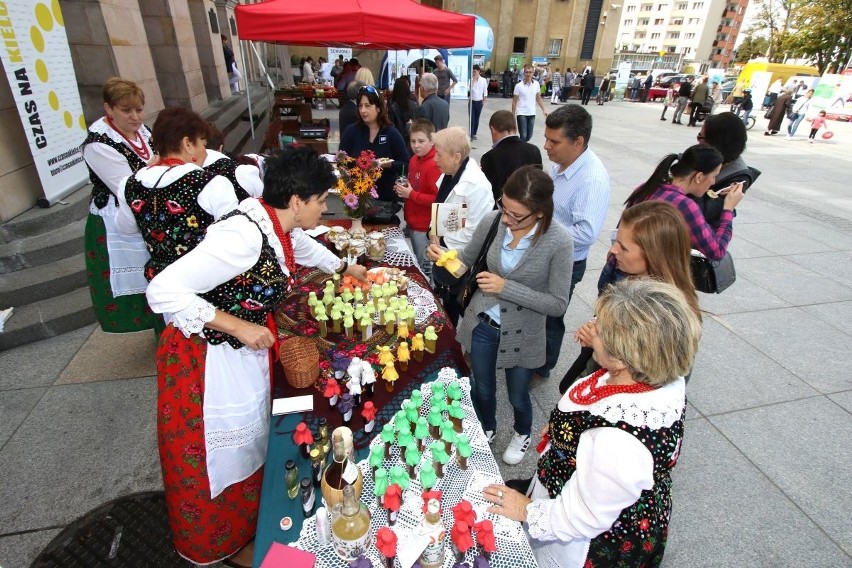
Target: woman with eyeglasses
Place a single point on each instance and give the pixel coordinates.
(680, 178)
(529, 262)
(375, 131)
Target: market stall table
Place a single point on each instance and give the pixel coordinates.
(292, 320)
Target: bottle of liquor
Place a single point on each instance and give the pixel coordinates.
(292, 478)
(306, 489)
(325, 440)
(341, 472)
(350, 525)
(432, 525)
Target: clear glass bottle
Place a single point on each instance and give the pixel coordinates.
(350, 527)
(316, 466)
(324, 437)
(291, 476)
(432, 525)
(341, 472)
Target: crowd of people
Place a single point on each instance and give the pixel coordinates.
(178, 228)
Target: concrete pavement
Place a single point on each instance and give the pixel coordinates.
(764, 475)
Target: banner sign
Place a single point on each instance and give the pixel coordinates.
(335, 52)
(38, 66)
(516, 60)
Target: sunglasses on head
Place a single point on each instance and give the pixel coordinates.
(368, 89)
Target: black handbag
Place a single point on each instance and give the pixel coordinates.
(469, 284)
(713, 276)
(768, 113)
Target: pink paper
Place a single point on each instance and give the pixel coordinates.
(280, 555)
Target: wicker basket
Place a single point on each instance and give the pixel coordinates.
(300, 359)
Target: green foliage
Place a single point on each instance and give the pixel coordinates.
(751, 47)
(819, 30)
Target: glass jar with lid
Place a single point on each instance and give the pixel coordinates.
(376, 246)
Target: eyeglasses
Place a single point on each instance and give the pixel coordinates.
(508, 215)
(368, 89)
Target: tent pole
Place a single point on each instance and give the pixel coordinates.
(248, 98)
(469, 95)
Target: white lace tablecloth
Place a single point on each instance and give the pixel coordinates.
(513, 549)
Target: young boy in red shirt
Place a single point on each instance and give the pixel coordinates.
(420, 191)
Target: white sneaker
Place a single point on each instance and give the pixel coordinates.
(517, 448)
(490, 435)
(811, 140)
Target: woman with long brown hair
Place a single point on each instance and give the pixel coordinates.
(652, 242)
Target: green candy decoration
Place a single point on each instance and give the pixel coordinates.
(428, 478)
(454, 391)
(398, 476)
(377, 456)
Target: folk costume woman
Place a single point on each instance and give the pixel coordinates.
(213, 361)
(173, 200)
(117, 145)
(602, 493)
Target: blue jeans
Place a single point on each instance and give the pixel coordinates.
(792, 125)
(555, 329)
(746, 114)
(475, 113)
(483, 354)
(525, 126)
(419, 242)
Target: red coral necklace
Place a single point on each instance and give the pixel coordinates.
(586, 392)
(284, 238)
(140, 149)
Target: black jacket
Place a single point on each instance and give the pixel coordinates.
(507, 156)
(347, 115)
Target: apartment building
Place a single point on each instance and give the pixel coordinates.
(698, 32)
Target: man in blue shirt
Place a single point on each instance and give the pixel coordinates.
(580, 199)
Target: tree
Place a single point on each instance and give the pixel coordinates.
(773, 17)
(823, 33)
(751, 47)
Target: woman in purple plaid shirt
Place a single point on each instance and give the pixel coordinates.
(691, 174)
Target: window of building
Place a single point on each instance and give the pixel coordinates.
(697, 5)
(214, 21)
(631, 8)
(647, 7)
(674, 35)
(655, 36)
(689, 36)
(677, 21)
(643, 21)
(519, 45)
(628, 22)
(685, 50)
(693, 21)
(639, 35)
(661, 7)
(682, 6)
(554, 47)
(658, 22)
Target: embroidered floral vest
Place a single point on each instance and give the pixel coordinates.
(252, 294)
(100, 192)
(638, 536)
(227, 168)
(170, 219)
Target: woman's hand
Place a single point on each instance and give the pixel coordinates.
(733, 195)
(254, 336)
(587, 333)
(434, 252)
(402, 190)
(490, 283)
(356, 271)
(506, 502)
(385, 162)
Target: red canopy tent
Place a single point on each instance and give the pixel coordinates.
(366, 24)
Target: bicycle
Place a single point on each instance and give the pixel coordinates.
(750, 122)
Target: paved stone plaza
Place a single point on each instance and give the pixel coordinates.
(764, 475)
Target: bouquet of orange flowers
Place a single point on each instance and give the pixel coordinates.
(357, 182)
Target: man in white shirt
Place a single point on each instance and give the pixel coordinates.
(478, 94)
(526, 96)
(580, 200)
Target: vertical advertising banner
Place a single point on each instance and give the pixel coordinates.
(38, 66)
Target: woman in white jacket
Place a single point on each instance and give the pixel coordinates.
(464, 183)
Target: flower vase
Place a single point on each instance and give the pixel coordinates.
(357, 223)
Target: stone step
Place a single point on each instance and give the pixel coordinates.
(48, 318)
(44, 281)
(39, 220)
(60, 243)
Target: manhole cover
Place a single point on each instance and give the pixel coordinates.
(131, 531)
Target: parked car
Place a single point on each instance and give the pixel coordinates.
(675, 80)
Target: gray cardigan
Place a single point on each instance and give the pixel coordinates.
(537, 287)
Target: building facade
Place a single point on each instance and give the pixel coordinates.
(700, 33)
(171, 48)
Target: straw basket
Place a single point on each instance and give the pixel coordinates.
(300, 359)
